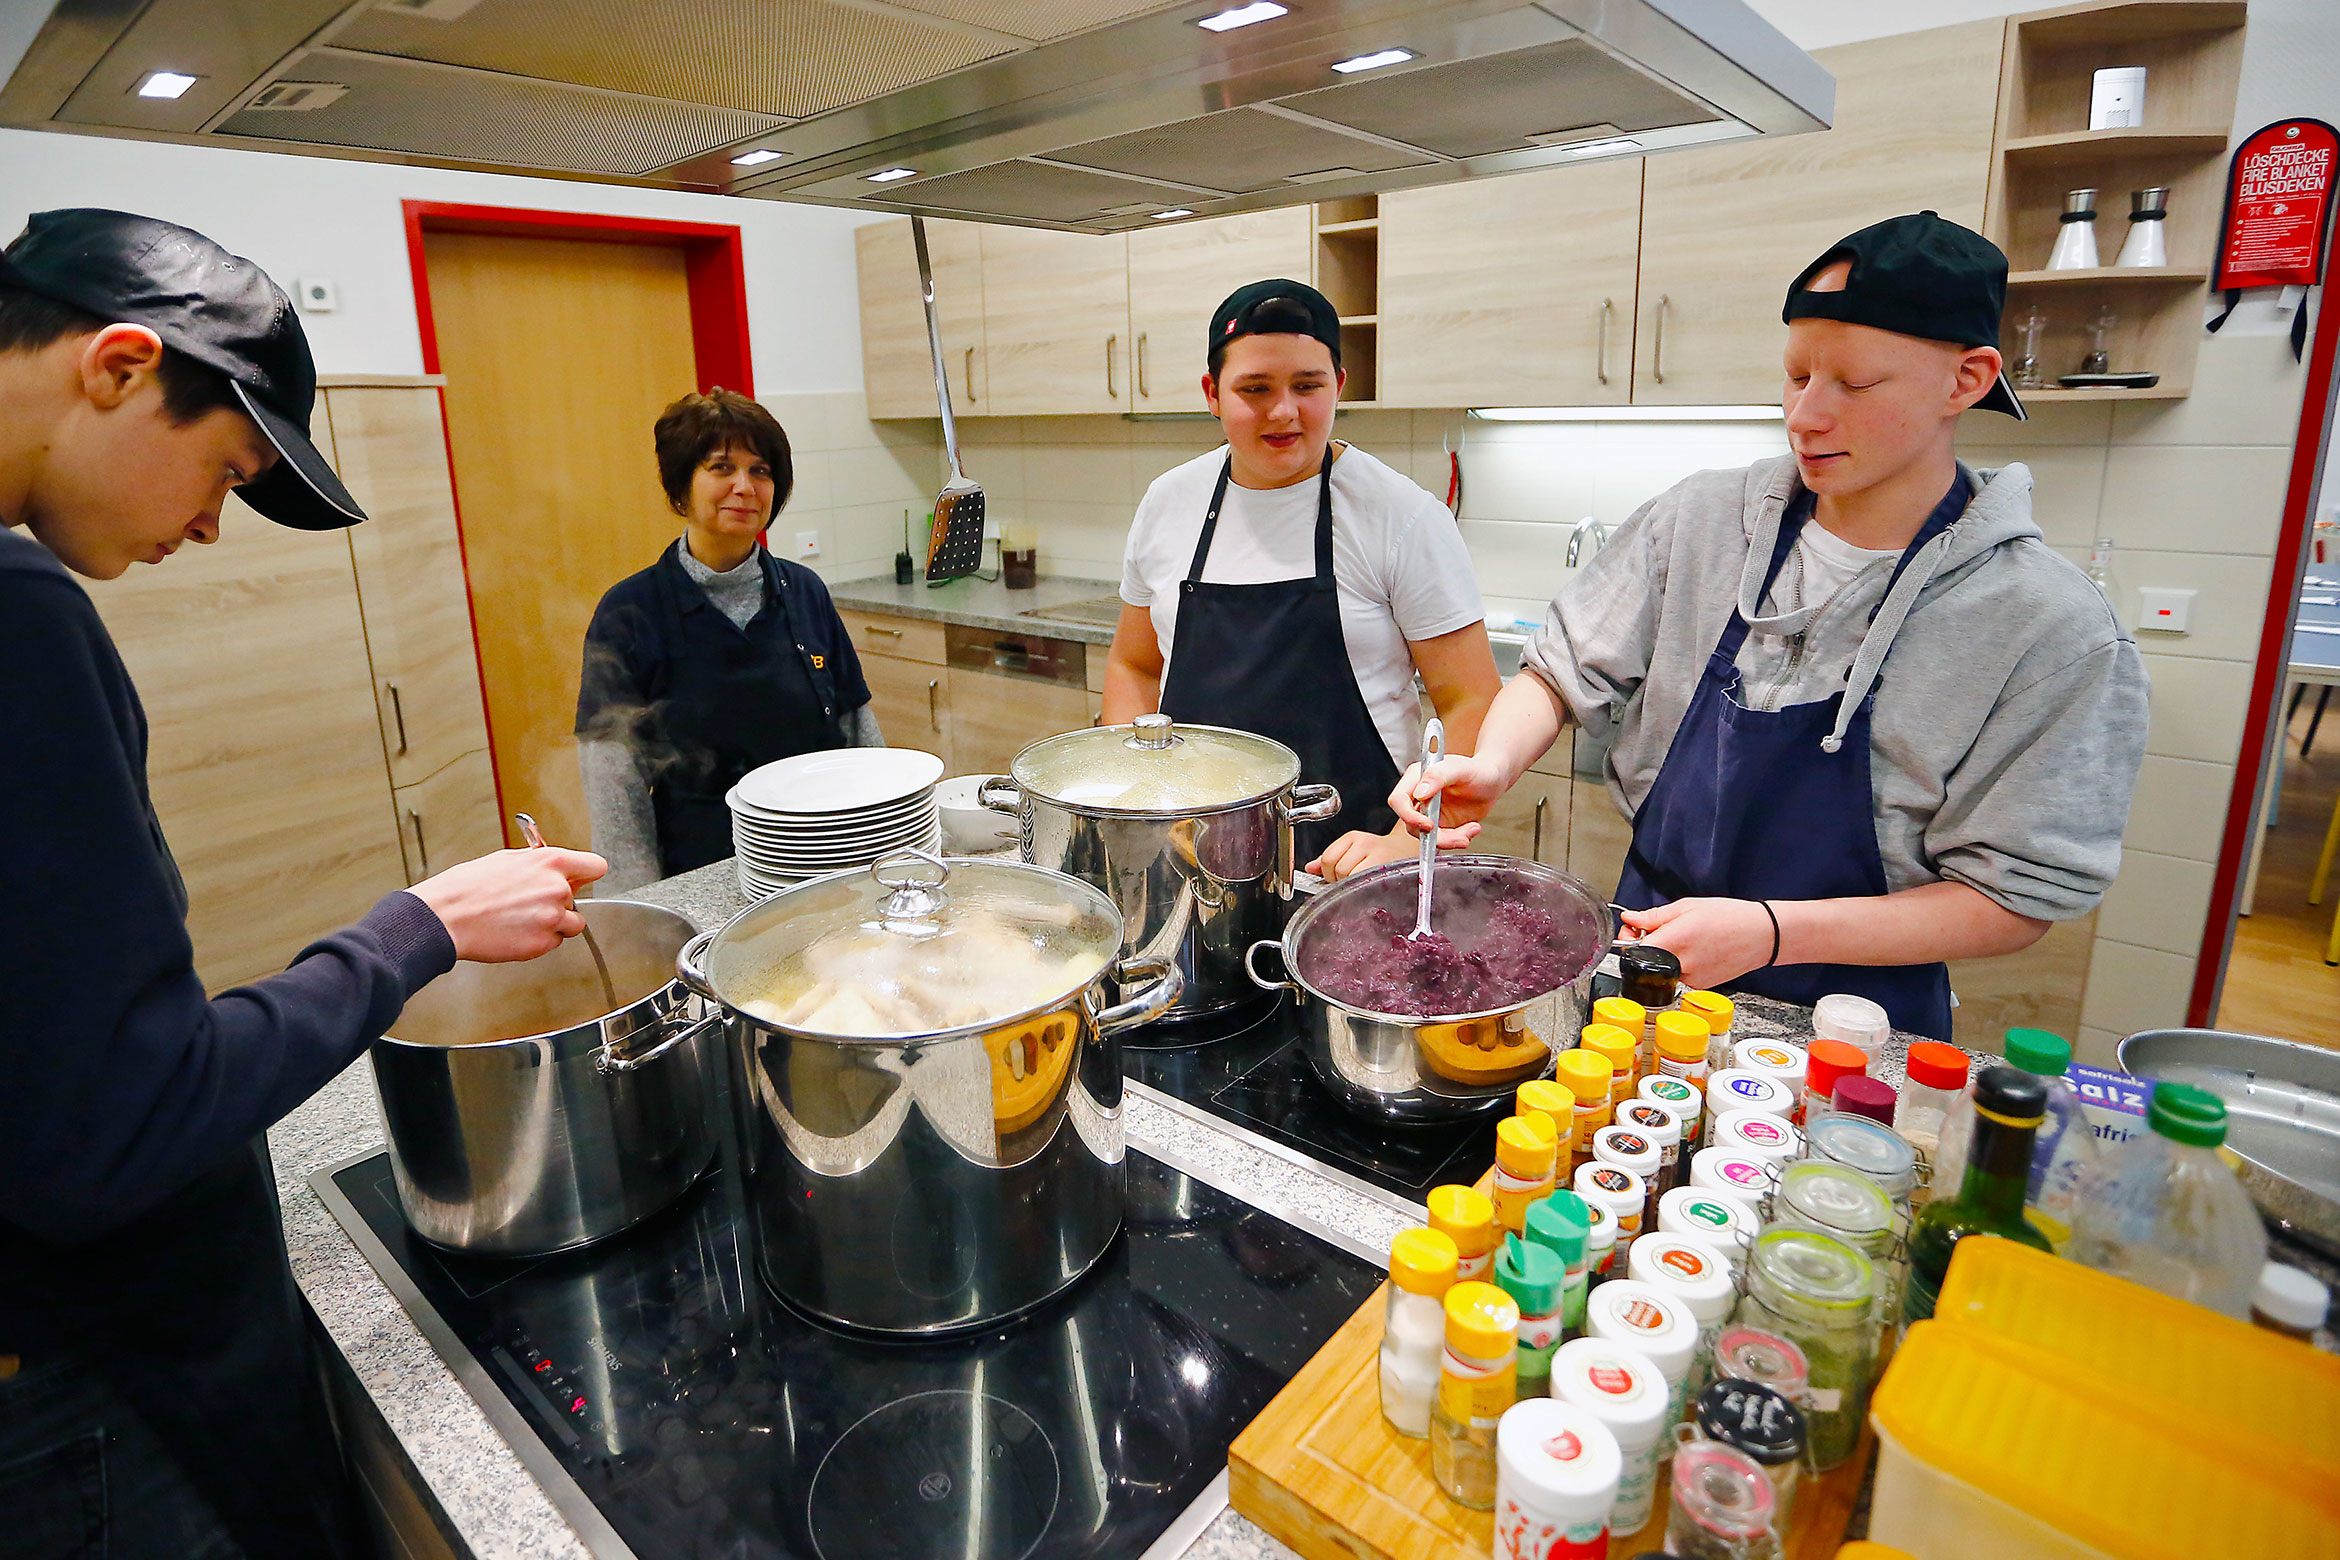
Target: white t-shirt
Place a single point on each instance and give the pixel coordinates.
(1398, 560)
(1823, 564)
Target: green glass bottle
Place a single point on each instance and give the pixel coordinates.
(2009, 1105)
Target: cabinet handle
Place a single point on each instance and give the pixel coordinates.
(872, 628)
(1112, 349)
(934, 702)
(421, 849)
(1601, 342)
(1143, 392)
(1536, 847)
(1657, 351)
(398, 717)
(970, 373)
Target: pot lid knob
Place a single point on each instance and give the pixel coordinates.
(914, 880)
(1152, 731)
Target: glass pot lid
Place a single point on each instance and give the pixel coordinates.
(1156, 766)
(915, 946)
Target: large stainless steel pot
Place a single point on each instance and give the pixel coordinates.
(1395, 1068)
(1188, 829)
(926, 1181)
(523, 1118)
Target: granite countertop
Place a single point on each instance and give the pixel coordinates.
(490, 1499)
(979, 603)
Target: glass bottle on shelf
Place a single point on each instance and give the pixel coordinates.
(2027, 374)
(2100, 329)
(2075, 233)
(2100, 565)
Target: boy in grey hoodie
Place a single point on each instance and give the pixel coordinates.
(1866, 720)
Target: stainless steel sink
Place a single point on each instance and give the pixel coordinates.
(1103, 612)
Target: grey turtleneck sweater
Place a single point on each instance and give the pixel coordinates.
(617, 793)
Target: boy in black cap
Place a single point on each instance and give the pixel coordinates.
(1866, 720)
(156, 1395)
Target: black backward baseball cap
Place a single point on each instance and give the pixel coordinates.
(1278, 306)
(217, 308)
(1917, 276)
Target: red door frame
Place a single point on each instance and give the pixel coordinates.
(713, 270)
(2243, 804)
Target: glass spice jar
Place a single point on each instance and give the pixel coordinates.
(1820, 1295)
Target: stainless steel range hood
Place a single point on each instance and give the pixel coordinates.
(1083, 115)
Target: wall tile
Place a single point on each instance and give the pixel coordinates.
(2195, 498)
(813, 490)
(2180, 808)
(860, 540)
(1085, 473)
(2095, 1046)
(1522, 482)
(2057, 422)
(877, 474)
(2230, 600)
(2246, 391)
(2067, 485)
(1149, 461)
(1076, 430)
(1375, 430)
(988, 433)
(2157, 902)
(805, 418)
(2197, 707)
(1516, 559)
(2132, 988)
(1000, 468)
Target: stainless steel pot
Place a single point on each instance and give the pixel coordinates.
(1395, 1068)
(933, 1181)
(522, 1118)
(1197, 880)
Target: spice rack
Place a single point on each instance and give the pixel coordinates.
(1348, 270)
(2192, 53)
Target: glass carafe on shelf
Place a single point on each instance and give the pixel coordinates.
(2026, 373)
(2148, 240)
(2100, 328)
(2075, 233)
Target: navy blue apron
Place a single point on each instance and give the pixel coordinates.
(1748, 806)
(1271, 659)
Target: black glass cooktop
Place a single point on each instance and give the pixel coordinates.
(702, 1418)
(1253, 1071)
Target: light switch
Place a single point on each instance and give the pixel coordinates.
(2164, 611)
(315, 295)
(808, 544)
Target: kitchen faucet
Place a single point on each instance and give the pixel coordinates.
(1588, 526)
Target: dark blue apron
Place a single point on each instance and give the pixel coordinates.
(1749, 806)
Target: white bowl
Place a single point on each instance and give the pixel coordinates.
(968, 825)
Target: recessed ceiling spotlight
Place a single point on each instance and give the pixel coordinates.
(889, 175)
(1244, 16)
(165, 84)
(762, 154)
(1373, 61)
(1175, 211)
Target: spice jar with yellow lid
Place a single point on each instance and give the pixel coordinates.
(1720, 1012)
(1464, 1215)
(1590, 1077)
(1552, 1100)
(1620, 1046)
(1526, 1149)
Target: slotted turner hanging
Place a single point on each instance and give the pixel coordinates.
(954, 549)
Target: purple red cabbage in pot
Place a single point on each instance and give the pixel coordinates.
(1488, 947)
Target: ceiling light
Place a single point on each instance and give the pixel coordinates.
(762, 154)
(889, 175)
(1603, 148)
(1627, 413)
(1373, 61)
(1244, 16)
(166, 84)
(1174, 211)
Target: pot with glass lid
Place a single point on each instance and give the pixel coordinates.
(1188, 829)
(926, 1066)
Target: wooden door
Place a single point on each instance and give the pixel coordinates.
(1178, 275)
(993, 718)
(1511, 291)
(392, 451)
(1724, 231)
(559, 355)
(448, 816)
(1056, 322)
(908, 699)
(897, 367)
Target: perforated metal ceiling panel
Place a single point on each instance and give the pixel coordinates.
(1036, 190)
(789, 57)
(1038, 20)
(467, 116)
(1237, 151)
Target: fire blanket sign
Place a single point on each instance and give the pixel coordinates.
(2278, 212)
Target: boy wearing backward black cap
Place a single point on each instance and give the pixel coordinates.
(1865, 719)
(156, 1394)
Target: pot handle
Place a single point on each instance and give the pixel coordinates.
(1309, 804)
(1251, 968)
(608, 1063)
(1169, 985)
(688, 968)
(1001, 794)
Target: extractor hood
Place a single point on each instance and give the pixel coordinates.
(1082, 115)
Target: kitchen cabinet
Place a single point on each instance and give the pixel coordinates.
(907, 697)
(995, 717)
(1055, 323)
(1724, 230)
(449, 816)
(1512, 291)
(1530, 820)
(897, 366)
(1181, 272)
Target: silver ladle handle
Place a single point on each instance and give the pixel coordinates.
(1433, 749)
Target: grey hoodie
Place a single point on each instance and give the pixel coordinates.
(2010, 714)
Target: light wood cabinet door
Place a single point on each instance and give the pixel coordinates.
(1512, 291)
(993, 718)
(1530, 820)
(264, 754)
(392, 451)
(449, 816)
(1724, 231)
(897, 367)
(908, 698)
(1055, 323)
(1597, 836)
(1178, 275)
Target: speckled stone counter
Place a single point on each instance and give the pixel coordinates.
(491, 1501)
(985, 604)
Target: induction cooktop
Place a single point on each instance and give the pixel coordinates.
(673, 1408)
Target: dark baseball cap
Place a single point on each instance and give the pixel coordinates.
(1277, 307)
(1917, 276)
(217, 308)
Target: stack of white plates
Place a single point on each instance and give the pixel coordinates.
(831, 812)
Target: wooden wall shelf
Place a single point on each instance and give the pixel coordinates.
(2099, 393)
(2117, 274)
(2076, 26)
(1360, 225)
(2097, 145)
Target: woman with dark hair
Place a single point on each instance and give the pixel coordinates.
(717, 658)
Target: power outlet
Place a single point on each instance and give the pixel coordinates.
(315, 295)
(808, 544)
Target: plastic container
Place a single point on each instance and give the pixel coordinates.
(1587, 1076)
(2290, 1301)
(1562, 1225)
(1680, 1042)
(1600, 1239)
(1826, 1063)
(1534, 1278)
(1936, 1077)
(1628, 1148)
(1757, 1134)
(1464, 1215)
(1729, 1173)
(1745, 1352)
(1413, 1329)
(1735, 1088)
(1622, 1193)
(1662, 1127)
(1820, 1295)
(1628, 1311)
(1695, 1275)
(1723, 1507)
(1856, 1021)
(1681, 1097)
(1720, 1013)
(1477, 1381)
(1865, 1096)
(1550, 1099)
(1525, 1153)
(1556, 1471)
(2064, 1147)
(1763, 1423)
(1622, 1047)
(1618, 1385)
(1722, 1223)
(1778, 1060)
(2163, 1210)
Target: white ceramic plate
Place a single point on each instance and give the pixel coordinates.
(847, 827)
(900, 806)
(838, 780)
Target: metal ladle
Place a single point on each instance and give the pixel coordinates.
(1433, 749)
(535, 838)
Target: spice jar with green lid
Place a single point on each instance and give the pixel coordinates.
(1820, 1295)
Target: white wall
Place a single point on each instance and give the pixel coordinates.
(312, 216)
